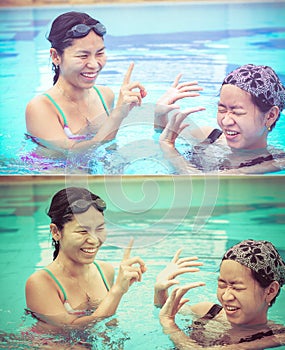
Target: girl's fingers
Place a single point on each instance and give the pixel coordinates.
(189, 85)
(184, 270)
(188, 111)
(176, 80)
(176, 255)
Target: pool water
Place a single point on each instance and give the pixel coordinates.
(203, 41)
(159, 229)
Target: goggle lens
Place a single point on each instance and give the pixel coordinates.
(81, 30)
(81, 205)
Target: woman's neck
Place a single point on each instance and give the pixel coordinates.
(71, 93)
(70, 269)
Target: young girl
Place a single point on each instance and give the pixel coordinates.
(251, 100)
(251, 276)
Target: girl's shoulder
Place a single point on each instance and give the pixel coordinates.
(201, 308)
(202, 132)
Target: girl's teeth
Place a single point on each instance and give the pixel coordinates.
(231, 308)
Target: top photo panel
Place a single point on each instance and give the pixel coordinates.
(162, 88)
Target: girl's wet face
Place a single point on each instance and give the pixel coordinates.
(243, 299)
(83, 235)
(83, 60)
(243, 124)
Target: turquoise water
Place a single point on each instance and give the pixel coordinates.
(203, 41)
(159, 229)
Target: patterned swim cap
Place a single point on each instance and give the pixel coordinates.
(261, 257)
(260, 81)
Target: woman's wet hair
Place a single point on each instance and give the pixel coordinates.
(58, 33)
(60, 211)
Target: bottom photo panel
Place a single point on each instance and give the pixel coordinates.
(142, 262)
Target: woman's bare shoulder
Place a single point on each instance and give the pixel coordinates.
(38, 276)
(39, 103)
(35, 101)
(38, 282)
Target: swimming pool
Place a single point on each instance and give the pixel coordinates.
(203, 41)
(162, 214)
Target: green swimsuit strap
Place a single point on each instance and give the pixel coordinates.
(57, 282)
(102, 275)
(102, 100)
(58, 108)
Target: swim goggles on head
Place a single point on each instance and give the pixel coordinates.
(81, 30)
(82, 205)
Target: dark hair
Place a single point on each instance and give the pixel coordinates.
(59, 28)
(264, 107)
(264, 283)
(60, 211)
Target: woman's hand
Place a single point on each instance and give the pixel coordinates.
(174, 303)
(175, 126)
(130, 270)
(167, 102)
(167, 277)
(131, 93)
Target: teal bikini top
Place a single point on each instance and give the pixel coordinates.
(66, 304)
(66, 129)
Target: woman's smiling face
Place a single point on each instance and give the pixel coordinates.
(83, 60)
(243, 299)
(83, 236)
(241, 121)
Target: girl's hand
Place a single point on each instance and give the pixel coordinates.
(175, 125)
(177, 266)
(166, 103)
(174, 303)
(130, 270)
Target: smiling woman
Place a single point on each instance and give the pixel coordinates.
(74, 291)
(75, 113)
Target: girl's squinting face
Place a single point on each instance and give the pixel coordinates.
(242, 123)
(82, 62)
(243, 299)
(83, 236)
